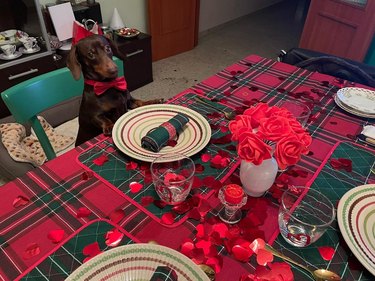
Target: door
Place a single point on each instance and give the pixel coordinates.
(344, 28)
(173, 26)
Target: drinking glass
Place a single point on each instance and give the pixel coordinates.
(173, 179)
(304, 215)
(299, 110)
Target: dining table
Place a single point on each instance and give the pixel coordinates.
(51, 214)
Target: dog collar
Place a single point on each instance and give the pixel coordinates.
(100, 87)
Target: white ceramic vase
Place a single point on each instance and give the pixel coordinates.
(257, 179)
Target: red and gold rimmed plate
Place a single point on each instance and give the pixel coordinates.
(356, 219)
(133, 125)
(137, 262)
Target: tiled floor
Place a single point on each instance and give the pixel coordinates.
(265, 33)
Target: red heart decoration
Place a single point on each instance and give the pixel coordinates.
(91, 251)
(101, 160)
(20, 201)
(264, 257)
(56, 235)
(135, 187)
(131, 166)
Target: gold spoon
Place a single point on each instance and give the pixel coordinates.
(318, 274)
(228, 115)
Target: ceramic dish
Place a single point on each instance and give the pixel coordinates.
(356, 219)
(137, 262)
(361, 100)
(133, 125)
(127, 32)
(14, 56)
(352, 110)
(19, 34)
(26, 51)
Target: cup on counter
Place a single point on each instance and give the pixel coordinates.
(304, 215)
(8, 50)
(173, 179)
(10, 35)
(300, 110)
(29, 43)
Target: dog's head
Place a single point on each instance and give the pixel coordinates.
(93, 57)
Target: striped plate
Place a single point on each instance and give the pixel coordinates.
(137, 262)
(133, 125)
(356, 219)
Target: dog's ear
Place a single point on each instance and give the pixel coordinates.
(116, 52)
(73, 64)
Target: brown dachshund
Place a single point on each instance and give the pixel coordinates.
(105, 97)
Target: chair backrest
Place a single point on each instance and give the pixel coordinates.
(29, 98)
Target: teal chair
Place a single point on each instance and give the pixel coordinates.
(28, 99)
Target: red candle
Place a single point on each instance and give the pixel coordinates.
(233, 194)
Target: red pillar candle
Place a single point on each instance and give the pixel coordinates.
(233, 194)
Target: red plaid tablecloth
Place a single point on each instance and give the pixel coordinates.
(62, 195)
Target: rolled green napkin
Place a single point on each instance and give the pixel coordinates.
(158, 137)
(164, 273)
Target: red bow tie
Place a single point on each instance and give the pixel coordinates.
(100, 87)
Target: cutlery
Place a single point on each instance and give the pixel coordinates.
(228, 115)
(318, 274)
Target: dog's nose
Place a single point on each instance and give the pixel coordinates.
(112, 69)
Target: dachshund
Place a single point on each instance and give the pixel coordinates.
(105, 96)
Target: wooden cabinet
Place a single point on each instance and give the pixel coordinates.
(137, 58)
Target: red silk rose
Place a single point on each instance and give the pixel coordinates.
(251, 148)
(262, 130)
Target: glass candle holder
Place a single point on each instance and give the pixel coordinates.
(233, 198)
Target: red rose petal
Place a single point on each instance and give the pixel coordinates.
(135, 187)
(326, 252)
(87, 175)
(335, 164)
(221, 229)
(56, 235)
(131, 166)
(205, 245)
(187, 248)
(113, 238)
(101, 160)
(31, 250)
(264, 257)
(200, 231)
(241, 254)
(205, 157)
(117, 215)
(199, 168)
(257, 244)
(168, 218)
(147, 200)
(91, 249)
(83, 212)
(160, 204)
(20, 201)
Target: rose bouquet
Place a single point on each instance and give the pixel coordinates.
(264, 131)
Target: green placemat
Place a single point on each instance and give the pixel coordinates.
(115, 173)
(68, 257)
(334, 183)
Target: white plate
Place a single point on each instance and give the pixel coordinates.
(14, 56)
(137, 262)
(26, 51)
(362, 100)
(133, 125)
(356, 219)
(352, 110)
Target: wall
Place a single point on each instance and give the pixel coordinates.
(217, 12)
(212, 12)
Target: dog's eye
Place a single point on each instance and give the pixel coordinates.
(91, 55)
(108, 49)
